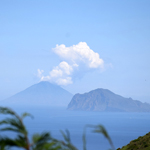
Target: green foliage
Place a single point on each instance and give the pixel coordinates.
(42, 141)
(14, 124)
(142, 143)
(97, 129)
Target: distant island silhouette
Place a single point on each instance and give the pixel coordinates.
(105, 100)
(43, 93)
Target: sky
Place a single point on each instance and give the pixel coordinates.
(80, 45)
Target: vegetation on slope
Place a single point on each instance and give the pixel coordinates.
(142, 143)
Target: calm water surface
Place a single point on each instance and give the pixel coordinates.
(122, 127)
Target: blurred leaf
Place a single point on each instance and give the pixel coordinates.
(13, 125)
(68, 145)
(26, 115)
(84, 138)
(5, 110)
(40, 141)
(101, 129)
(97, 129)
(8, 142)
(65, 136)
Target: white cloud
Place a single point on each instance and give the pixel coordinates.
(67, 69)
(39, 74)
(76, 61)
(79, 53)
(64, 81)
(59, 74)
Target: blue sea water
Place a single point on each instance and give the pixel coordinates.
(121, 126)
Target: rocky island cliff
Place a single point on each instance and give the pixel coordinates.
(105, 100)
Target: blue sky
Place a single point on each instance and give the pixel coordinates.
(119, 31)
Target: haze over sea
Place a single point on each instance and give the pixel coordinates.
(79, 45)
(121, 126)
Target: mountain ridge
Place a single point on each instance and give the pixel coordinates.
(104, 100)
(42, 93)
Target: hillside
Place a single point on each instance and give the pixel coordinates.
(105, 100)
(142, 143)
(43, 93)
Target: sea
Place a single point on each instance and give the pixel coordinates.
(122, 127)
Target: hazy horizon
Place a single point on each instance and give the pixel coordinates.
(78, 45)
